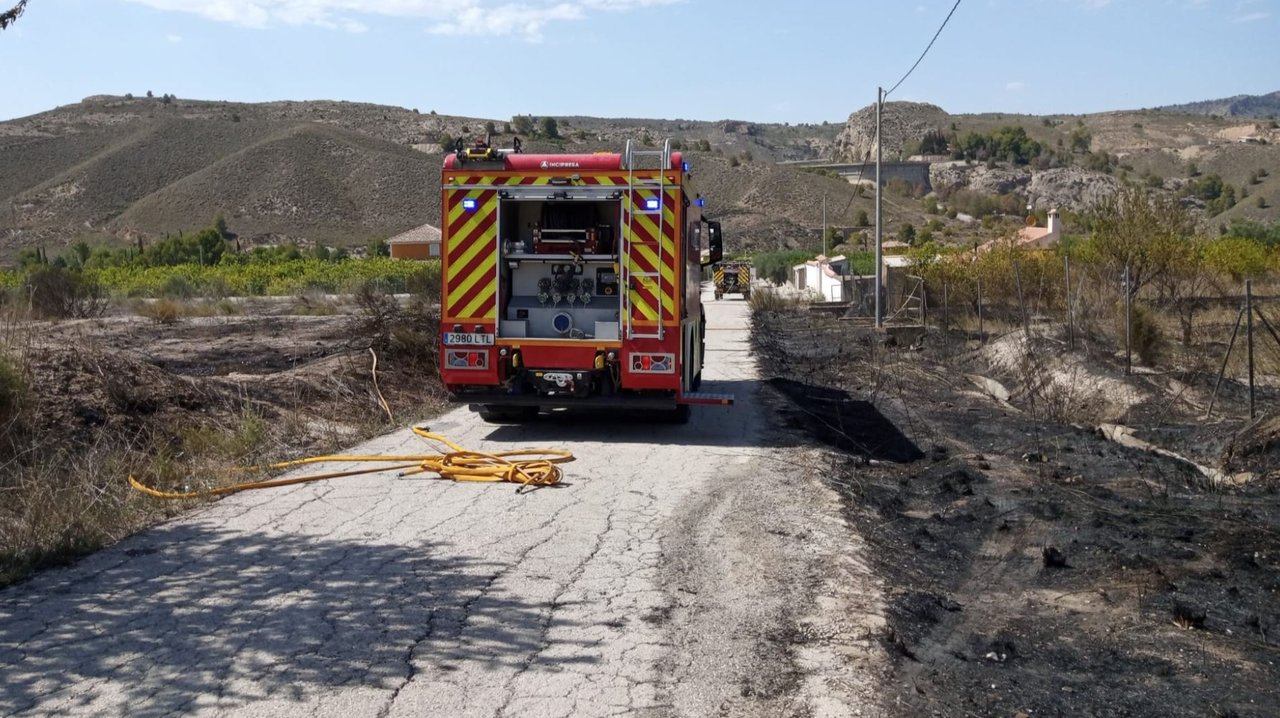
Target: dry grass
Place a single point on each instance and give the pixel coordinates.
(770, 300)
(62, 481)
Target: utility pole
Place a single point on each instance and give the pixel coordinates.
(879, 248)
(824, 225)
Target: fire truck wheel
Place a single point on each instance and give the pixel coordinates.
(679, 416)
(497, 414)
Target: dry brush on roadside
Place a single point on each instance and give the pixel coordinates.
(180, 395)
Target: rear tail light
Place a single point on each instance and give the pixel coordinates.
(464, 359)
(653, 363)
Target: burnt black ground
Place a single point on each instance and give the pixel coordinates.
(1032, 567)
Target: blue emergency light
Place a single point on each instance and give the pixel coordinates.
(469, 204)
(685, 166)
(651, 204)
(701, 202)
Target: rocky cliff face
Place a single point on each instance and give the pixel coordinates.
(900, 122)
(1070, 188)
(1063, 188)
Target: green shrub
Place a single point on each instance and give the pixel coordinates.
(776, 266)
(177, 287)
(57, 293)
(1148, 341)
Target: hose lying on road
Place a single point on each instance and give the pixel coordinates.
(459, 464)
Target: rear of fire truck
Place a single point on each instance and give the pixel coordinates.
(732, 277)
(573, 280)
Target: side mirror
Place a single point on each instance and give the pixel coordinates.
(715, 243)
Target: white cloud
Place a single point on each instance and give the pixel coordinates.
(507, 20)
(1251, 17)
(1015, 86)
(523, 18)
(175, 39)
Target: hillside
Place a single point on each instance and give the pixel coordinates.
(1162, 150)
(1243, 106)
(116, 169)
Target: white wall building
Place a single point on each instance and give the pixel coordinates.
(821, 277)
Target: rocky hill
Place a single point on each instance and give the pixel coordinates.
(1161, 150)
(900, 123)
(112, 169)
(1244, 106)
(115, 169)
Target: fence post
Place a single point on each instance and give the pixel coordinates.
(1071, 328)
(1248, 309)
(924, 305)
(1128, 324)
(982, 334)
(1235, 329)
(946, 308)
(1022, 303)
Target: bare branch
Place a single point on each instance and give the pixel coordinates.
(8, 17)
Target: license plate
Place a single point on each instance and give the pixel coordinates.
(468, 340)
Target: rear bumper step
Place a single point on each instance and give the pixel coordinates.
(500, 399)
(702, 397)
(474, 400)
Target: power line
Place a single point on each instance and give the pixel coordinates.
(926, 50)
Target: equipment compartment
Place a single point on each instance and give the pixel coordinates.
(558, 270)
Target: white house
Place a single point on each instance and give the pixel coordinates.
(1032, 237)
(823, 276)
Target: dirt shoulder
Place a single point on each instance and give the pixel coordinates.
(1031, 566)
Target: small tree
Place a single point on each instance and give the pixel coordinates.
(550, 128)
(522, 124)
(1145, 231)
(1081, 140)
(490, 129)
(861, 218)
(907, 232)
(378, 248)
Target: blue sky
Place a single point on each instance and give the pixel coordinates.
(798, 61)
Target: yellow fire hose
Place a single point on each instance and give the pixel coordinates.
(459, 464)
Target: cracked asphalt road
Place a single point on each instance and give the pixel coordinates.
(681, 571)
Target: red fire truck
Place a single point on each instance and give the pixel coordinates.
(573, 280)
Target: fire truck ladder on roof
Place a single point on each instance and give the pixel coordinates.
(630, 159)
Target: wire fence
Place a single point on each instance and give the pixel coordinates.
(1224, 327)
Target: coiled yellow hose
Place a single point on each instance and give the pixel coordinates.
(458, 464)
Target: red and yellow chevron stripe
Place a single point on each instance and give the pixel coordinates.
(652, 251)
(470, 256)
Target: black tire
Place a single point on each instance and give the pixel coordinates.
(696, 383)
(679, 415)
(498, 414)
